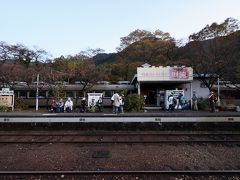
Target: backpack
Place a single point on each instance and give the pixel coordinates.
(182, 100)
(174, 101)
(194, 98)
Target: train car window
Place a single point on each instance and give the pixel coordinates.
(32, 94)
(50, 94)
(80, 94)
(41, 94)
(107, 93)
(69, 94)
(23, 94)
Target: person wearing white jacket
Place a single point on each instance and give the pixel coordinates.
(68, 105)
(116, 102)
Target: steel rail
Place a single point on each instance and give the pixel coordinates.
(122, 142)
(121, 172)
(119, 134)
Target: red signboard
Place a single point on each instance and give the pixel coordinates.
(178, 73)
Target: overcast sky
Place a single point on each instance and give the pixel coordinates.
(66, 27)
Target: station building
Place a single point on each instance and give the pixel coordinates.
(156, 83)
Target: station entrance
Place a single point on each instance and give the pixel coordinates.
(155, 82)
(155, 94)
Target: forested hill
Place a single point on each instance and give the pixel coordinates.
(220, 55)
(103, 58)
(157, 52)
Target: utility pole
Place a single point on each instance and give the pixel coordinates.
(218, 88)
(37, 93)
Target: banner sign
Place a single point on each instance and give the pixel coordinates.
(6, 101)
(93, 98)
(179, 73)
(6, 92)
(165, 73)
(7, 98)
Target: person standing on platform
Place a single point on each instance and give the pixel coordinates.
(99, 104)
(194, 101)
(212, 101)
(83, 105)
(121, 103)
(116, 102)
(172, 104)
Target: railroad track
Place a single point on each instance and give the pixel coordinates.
(106, 137)
(194, 172)
(126, 172)
(207, 174)
(123, 137)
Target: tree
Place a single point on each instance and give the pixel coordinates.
(142, 46)
(26, 56)
(91, 52)
(212, 52)
(233, 70)
(124, 71)
(139, 35)
(78, 68)
(5, 52)
(229, 26)
(145, 46)
(19, 63)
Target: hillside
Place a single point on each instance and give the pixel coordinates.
(158, 53)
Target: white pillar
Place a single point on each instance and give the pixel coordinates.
(37, 93)
(191, 94)
(139, 89)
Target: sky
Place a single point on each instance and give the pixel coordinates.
(66, 27)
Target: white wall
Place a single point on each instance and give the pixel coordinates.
(196, 86)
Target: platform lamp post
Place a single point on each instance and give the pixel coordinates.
(37, 93)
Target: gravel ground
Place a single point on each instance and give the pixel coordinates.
(22, 157)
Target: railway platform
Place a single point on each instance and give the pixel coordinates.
(150, 116)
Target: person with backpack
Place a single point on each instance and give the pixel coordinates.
(172, 102)
(181, 101)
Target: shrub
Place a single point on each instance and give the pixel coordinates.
(20, 104)
(58, 92)
(203, 104)
(134, 102)
(4, 109)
